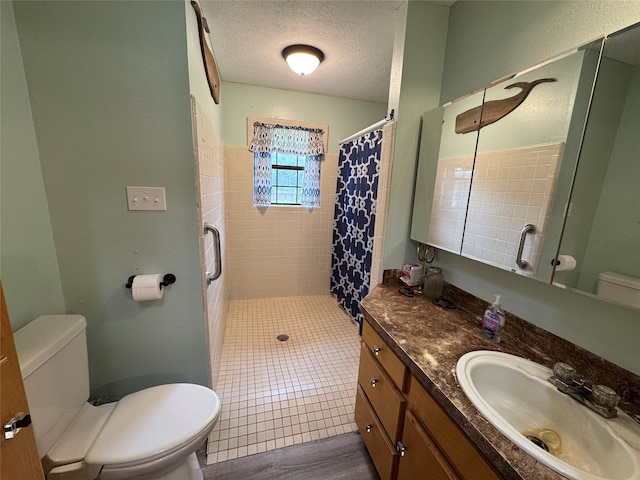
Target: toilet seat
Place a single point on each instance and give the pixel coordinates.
(151, 424)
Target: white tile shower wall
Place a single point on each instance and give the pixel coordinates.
(276, 251)
(384, 184)
(450, 196)
(511, 188)
(210, 167)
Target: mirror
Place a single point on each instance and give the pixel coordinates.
(517, 164)
(602, 229)
(444, 177)
(496, 167)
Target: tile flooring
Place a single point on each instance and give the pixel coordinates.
(282, 393)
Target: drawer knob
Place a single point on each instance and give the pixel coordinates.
(401, 448)
(376, 350)
(368, 427)
(373, 382)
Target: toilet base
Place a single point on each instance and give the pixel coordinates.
(189, 469)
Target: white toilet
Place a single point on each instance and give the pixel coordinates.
(619, 288)
(150, 434)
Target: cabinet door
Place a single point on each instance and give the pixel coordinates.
(456, 447)
(19, 455)
(421, 458)
(382, 452)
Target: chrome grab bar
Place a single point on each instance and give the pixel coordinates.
(209, 228)
(528, 228)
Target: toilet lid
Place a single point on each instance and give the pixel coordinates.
(153, 422)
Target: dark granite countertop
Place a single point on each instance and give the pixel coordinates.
(430, 339)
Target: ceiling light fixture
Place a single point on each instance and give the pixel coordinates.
(302, 59)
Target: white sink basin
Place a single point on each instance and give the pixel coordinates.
(514, 395)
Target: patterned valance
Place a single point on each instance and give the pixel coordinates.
(286, 140)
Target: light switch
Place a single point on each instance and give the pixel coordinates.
(146, 198)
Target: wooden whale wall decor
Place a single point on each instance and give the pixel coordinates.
(493, 110)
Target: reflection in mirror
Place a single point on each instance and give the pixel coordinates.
(453, 179)
(449, 160)
(602, 230)
(517, 160)
(427, 163)
(496, 168)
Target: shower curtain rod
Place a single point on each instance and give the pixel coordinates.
(370, 128)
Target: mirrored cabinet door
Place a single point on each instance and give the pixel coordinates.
(446, 164)
(602, 230)
(453, 178)
(526, 123)
(431, 127)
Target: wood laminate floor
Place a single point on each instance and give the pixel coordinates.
(339, 457)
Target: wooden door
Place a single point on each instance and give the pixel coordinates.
(421, 458)
(19, 459)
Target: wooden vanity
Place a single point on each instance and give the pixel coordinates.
(413, 416)
(403, 427)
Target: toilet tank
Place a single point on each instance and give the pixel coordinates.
(52, 351)
(619, 288)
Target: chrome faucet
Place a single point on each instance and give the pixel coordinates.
(599, 398)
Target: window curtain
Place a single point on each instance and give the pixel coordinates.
(354, 221)
(300, 141)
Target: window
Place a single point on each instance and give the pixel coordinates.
(286, 164)
(287, 179)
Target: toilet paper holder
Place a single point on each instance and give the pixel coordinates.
(168, 279)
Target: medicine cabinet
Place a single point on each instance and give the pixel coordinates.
(564, 161)
(496, 167)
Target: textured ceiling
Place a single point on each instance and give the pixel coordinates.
(355, 36)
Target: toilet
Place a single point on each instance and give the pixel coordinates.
(151, 434)
(619, 288)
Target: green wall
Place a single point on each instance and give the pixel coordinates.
(29, 267)
(344, 117)
(109, 90)
(487, 40)
(106, 104)
(109, 86)
(421, 67)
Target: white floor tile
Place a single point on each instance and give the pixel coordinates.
(278, 393)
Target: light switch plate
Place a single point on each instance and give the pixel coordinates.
(146, 198)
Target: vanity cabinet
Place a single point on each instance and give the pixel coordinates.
(404, 429)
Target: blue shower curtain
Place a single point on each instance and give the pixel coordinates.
(354, 220)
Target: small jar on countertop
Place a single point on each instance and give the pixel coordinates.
(433, 283)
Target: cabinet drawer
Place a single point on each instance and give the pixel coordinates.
(387, 358)
(421, 455)
(382, 452)
(385, 400)
(468, 463)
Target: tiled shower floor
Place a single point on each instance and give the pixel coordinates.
(280, 393)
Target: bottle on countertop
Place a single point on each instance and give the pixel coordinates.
(493, 321)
